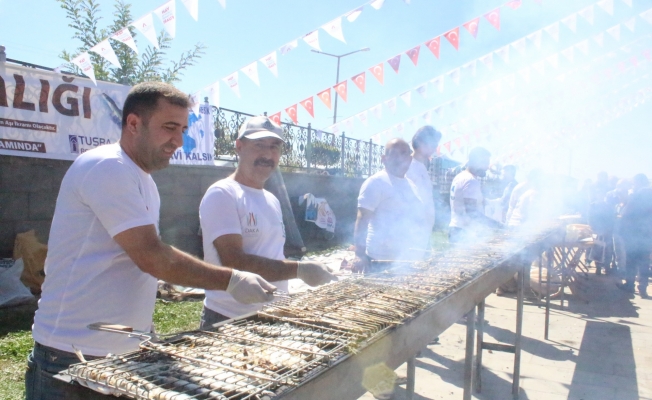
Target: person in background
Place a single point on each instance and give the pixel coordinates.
(636, 232)
(600, 187)
(466, 199)
(617, 199)
(520, 189)
(509, 180)
(424, 145)
(242, 224)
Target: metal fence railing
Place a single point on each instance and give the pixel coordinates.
(306, 148)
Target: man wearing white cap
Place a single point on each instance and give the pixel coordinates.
(242, 223)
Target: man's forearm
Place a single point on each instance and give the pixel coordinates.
(271, 270)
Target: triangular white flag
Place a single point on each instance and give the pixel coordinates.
(438, 82)
(193, 8)
(496, 86)
(251, 71)
(406, 97)
(214, 94)
(375, 138)
(83, 61)
(124, 36)
(222, 3)
(470, 67)
(519, 45)
(628, 2)
(536, 38)
(400, 127)
(587, 14)
(168, 15)
(553, 31)
(630, 24)
(145, 25)
(104, 49)
(455, 75)
(599, 38)
(270, 62)
(232, 82)
(540, 67)
(525, 74)
(571, 22)
(363, 117)
(583, 46)
(510, 80)
(377, 111)
(614, 31)
(423, 90)
(377, 4)
(391, 104)
(569, 53)
(607, 6)
(488, 60)
(286, 48)
(503, 52)
(349, 123)
(334, 28)
(647, 16)
(312, 39)
(427, 116)
(353, 15)
(439, 111)
(553, 60)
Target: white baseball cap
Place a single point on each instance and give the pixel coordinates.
(260, 127)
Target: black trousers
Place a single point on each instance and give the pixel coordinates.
(637, 262)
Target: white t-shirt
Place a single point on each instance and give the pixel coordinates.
(418, 174)
(231, 208)
(525, 206)
(89, 277)
(397, 221)
(464, 186)
(513, 198)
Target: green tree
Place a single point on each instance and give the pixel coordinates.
(149, 65)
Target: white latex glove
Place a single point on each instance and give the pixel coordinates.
(314, 274)
(250, 288)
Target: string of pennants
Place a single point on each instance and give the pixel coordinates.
(453, 37)
(166, 13)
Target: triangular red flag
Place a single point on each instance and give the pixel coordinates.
(414, 54)
(467, 138)
(514, 4)
(360, 80)
(458, 142)
(276, 118)
(377, 71)
(395, 62)
(292, 112)
(325, 96)
(433, 45)
(309, 106)
(340, 88)
(494, 18)
(448, 146)
(453, 36)
(472, 26)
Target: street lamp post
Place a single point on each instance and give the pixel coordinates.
(337, 77)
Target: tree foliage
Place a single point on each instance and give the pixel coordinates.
(149, 65)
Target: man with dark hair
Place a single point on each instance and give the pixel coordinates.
(424, 145)
(105, 255)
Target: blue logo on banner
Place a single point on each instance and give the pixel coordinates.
(74, 144)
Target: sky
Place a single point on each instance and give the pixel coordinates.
(247, 30)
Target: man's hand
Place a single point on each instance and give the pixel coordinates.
(314, 274)
(250, 288)
(361, 264)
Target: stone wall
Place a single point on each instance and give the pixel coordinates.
(29, 188)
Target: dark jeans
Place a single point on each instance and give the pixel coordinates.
(210, 317)
(45, 362)
(637, 261)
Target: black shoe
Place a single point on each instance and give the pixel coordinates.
(643, 292)
(626, 287)
(598, 271)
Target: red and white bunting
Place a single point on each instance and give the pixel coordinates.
(340, 89)
(363, 117)
(438, 82)
(628, 2)
(232, 82)
(630, 24)
(427, 116)
(472, 26)
(214, 94)
(433, 45)
(353, 15)
(276, 118)
(105, 50)
(569, 53)
(124, 36)
(647, 16)
(536, 38)
(83, 61)
(607, 6)
(334, 28)
(395, 62)
(360, 81)
(587, 14)
(494, 18)
(312, 39)
(193, 8)
(406, 97)
(269, 61)
(335, 129)
(413, 123)
(553, 60)
(470, 67)
(167, 13)
(223, 4)
(453, 37)
(399, 128)
(378, 72)
(391, 104)
(292, 113)
(514, 4)
(448, 146)
(413, 54)
(520, 45)
(325, 97)
(377, 111)
(455, 75)
(599, 39)
(349, 123)
(309, 105)
(439, 111)
(288, 47)
(553, 31)
(375, 138)
(251, 71)
(488, 60)
(583, 46)
(422, 90)
(145, 25)
(614, 31)
(377, 4)
(525, 74)
(503, 52)
(540, 67)
(571, 22)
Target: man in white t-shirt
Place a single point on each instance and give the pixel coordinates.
(424, 145)
(105, 254)
(466, 199)
(242, 224)
(390, 213)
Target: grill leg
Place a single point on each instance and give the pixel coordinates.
(519, 331)
(411, 376)
(477, 379)
(468, 358)
(550, 254)
(540, 272)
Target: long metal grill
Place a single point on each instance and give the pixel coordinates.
(294, 339)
